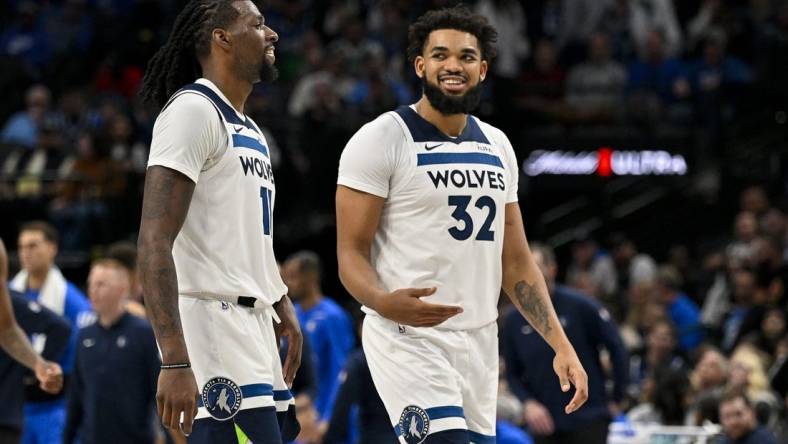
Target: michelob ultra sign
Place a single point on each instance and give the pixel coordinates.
(605, 162)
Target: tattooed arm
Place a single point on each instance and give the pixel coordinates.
(165, 204)
(525, 286)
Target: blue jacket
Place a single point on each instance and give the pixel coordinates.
(529, 359)
(112, 395)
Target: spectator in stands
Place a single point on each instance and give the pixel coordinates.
(579, 19)
(41, 281)
(22, 127)
(717, 81)
(682, 311)
(632, 266)
(664, 397)
(656, 80)
(707, 381)
(595, 88)
(770, 334)
(754, 199)
(745, 315)
(508, 18)
(80, 209)
(738, 421)
(770, 269)
(748, 374)
(616, 23)
(325, 323)
(540, 88)
(356, 46)
(38, 170)
(112, 395)
(587, 256)
(647, 16)
(644, 312)
(24, 39)
(529, 364)
(660, 352)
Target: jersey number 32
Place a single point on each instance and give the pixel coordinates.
(461, 214)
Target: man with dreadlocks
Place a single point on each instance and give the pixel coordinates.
(211, 283)
(427, 207)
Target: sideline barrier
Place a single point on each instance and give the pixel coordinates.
(624, 433)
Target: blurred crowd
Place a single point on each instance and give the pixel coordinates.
(695, 322)
(75, 136)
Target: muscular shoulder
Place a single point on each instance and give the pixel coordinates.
(384, 129)
(497, 136)
(190, 108)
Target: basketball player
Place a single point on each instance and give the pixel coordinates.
(427, 207)
(210, 279)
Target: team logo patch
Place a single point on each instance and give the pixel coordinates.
(414, 424)
(222, 398)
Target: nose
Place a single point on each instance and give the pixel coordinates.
(452, 65)
(271, 35)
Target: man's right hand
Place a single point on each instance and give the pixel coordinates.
(404, 307)
(538, 418)
(177, 393)
(50, 376)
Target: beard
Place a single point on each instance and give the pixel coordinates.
(268, 73)
(448, 104)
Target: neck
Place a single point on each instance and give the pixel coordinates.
(110, 317)
(311, 298)
(35, 279)
(235, 89)
(451, 125)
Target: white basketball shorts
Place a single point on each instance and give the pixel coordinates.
(433, 380)
(234, 356)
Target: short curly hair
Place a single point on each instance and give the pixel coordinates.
(458, 17)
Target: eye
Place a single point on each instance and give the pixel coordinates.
(468, 58)
(438, 56)
(259, 26)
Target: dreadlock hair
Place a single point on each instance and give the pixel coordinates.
(458, 17)
(176, 63)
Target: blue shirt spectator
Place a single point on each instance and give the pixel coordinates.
(41, 281)
(684, 313)
(328, 327)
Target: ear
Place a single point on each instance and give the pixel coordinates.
(418, 65)
(222, 39)
(483, 70)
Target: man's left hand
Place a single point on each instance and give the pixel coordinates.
(569, 370)
(289, 328)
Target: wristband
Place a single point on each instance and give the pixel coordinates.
(175, 366)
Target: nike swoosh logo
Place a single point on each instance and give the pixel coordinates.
(237, 128)
(430, 148)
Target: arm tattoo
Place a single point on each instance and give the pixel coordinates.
(534, 306)
(165, 204)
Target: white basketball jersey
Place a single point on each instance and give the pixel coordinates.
(442, 224)
(225, 246)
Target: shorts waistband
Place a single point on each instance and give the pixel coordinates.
(243, 301)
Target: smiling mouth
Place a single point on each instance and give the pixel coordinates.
(269, 52)
(452, 83)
